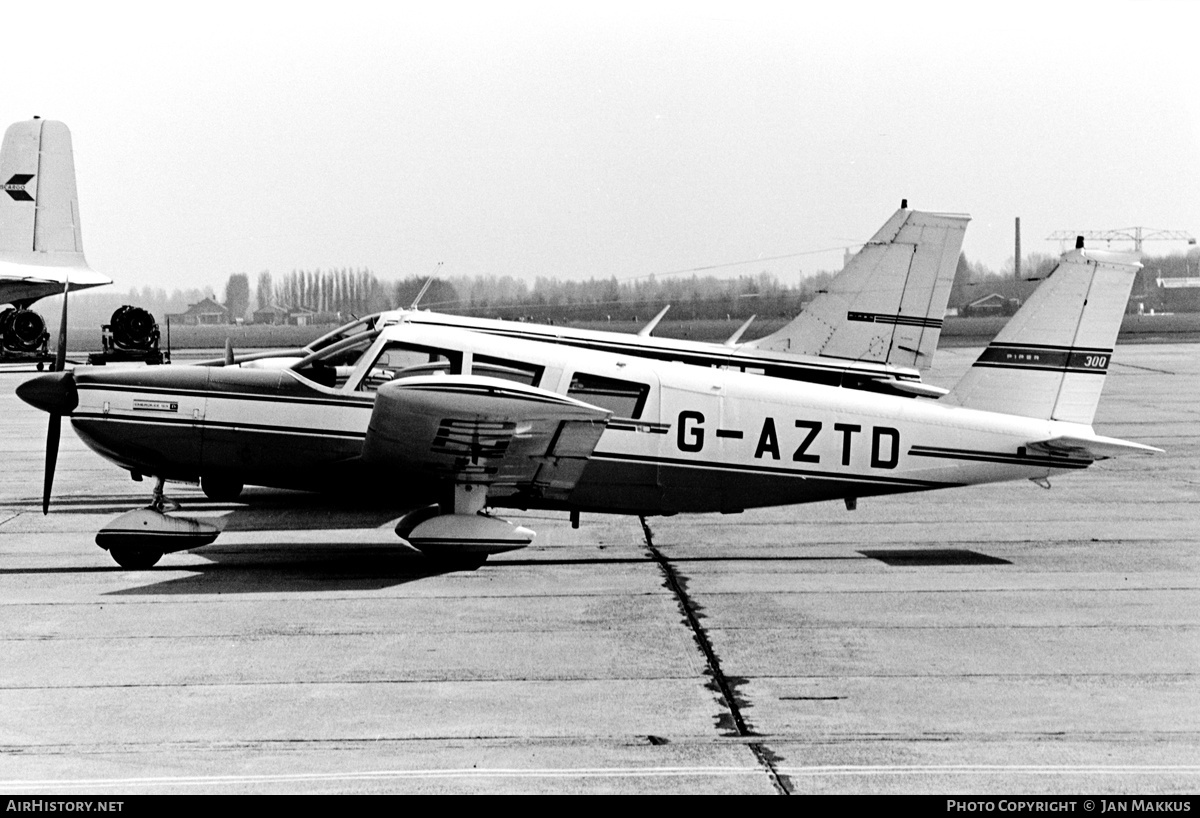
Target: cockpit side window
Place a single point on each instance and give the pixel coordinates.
(625, 399)
(505, 369)
(408, 361)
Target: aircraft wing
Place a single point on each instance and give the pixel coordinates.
(1096, 447)
(477, 430)
(24, 282)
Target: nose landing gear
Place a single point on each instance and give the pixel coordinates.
(138, 539)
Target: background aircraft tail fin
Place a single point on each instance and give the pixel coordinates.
(39, 208)
(1051, 358)
(888, 303)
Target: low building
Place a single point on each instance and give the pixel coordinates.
(302, 317)
(993, 304)
(1179, 294)
(205, 313)
(272, 314)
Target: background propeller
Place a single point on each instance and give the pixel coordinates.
(54, 429)
(55, 394)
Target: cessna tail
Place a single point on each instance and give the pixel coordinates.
(887, 305)
(41, 245)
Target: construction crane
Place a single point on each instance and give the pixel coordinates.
(1137, 235)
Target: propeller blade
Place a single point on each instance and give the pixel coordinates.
(60, 354)
(228, 352)
(53, 432)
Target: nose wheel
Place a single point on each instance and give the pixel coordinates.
(134, 559)
(138, 539)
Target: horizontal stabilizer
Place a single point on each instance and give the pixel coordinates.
(924, 390)
(1095, 447)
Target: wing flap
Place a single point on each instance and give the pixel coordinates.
(485, 431)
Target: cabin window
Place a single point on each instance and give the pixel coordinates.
(624, 399)
(409, 361)
(507, 370)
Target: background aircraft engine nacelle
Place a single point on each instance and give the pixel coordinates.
(22, 331)
(133, 330)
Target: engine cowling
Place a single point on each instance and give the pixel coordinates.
(22, 330)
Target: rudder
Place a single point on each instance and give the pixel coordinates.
(39, 215)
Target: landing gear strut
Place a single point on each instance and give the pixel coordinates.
(159, 501)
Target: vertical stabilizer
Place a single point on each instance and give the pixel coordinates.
(887, 305)
(39, 210)
(1050, 359)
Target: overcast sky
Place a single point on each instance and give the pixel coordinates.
(528, 139)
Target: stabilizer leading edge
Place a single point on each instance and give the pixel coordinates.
(887, 305)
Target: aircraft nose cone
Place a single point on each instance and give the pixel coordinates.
(54, 393)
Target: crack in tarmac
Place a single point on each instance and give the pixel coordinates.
(765, 757)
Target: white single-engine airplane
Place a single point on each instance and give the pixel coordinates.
(442, 425)
(875, 327)
(41, 245)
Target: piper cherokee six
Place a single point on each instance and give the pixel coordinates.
(446, 425)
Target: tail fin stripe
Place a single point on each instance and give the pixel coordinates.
(905, 320)
(1062, 347)
(1046, 358)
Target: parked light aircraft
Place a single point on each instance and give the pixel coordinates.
(41, 246)
(443, 425)
(875, 327)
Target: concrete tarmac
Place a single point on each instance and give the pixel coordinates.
(997, 639)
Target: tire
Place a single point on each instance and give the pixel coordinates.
(221, 489)
(135, 559)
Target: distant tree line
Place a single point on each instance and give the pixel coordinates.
(345, 292)
(547, 299)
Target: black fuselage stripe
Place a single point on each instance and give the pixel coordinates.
(151, 391)
(998, 457)
(764, 469)
(212, 424)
